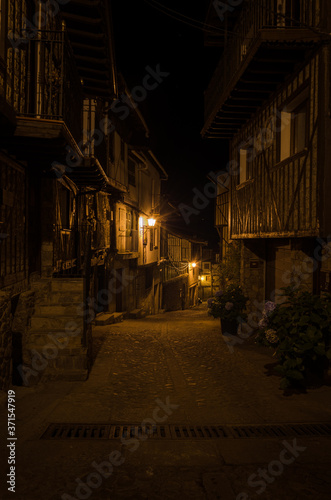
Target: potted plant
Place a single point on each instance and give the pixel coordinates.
(300, 330)
(229, 306)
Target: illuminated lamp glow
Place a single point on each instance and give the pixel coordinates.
(151, 222)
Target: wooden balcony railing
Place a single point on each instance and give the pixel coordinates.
(53, 89)
(294, 18)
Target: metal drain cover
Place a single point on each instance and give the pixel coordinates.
(77, 431)
(183, 432)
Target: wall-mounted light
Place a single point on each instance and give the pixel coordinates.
(194, 264)
(151, 222)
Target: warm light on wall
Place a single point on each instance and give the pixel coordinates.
(151, 222)
(141, 222)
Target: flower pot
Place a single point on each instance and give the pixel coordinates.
(229, 327)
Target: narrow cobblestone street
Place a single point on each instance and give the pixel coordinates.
(180, 359)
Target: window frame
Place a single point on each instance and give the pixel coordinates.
(286, 148)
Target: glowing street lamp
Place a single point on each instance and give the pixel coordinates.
(194, 264)
(151, 222)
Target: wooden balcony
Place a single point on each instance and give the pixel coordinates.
(50, 119)
(260, 52)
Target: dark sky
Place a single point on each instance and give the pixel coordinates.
(174, 111)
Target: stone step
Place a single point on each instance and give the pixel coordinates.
(136, 314)
(67, 285)
(52, 310)
(103, 319)
(65, 375)
(56, 322)
(118, 316)
(64, 298)
(70, 363)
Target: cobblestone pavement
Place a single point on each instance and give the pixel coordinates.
(181, 358)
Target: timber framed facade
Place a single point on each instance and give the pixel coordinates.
(272, 103)
(75, 181)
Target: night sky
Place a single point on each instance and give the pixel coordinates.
(174, 111)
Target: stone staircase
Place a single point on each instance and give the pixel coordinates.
(56, 333)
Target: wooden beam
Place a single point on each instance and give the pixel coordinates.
(96, 80)
(92, 70)
(91, 60)
(248, 98)
(84, 46)
(86, 3)
(101, 92)
(85, 34)
(82, 19)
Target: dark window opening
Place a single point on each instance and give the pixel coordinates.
(132, 173)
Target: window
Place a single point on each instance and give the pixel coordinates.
(122, 150)
(65, 207)
(128, 223)
(245, 156)
(299, 129)
(281, 13)
(151, 242)
(186, 250)
(132, 172)
(293, 127)
(288, 13)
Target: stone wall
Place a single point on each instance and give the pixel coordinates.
(20, 328)
(5, 341)
(172, 294)
(303, 265)
(252, 273)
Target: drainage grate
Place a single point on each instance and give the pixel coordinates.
(183, 432)
(77, 431)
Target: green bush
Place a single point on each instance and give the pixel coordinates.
(303, 327)
(229, 304)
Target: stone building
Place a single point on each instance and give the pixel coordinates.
(270, 98)
(78, 183)
(181, 260)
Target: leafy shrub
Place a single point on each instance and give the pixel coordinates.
(229, 304)
(303, 326)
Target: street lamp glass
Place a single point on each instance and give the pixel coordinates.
(151, 222)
